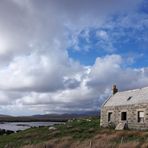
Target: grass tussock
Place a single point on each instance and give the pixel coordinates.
(130, 145)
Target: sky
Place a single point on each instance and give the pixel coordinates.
(63, 56)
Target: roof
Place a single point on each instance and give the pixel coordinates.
(136, 96)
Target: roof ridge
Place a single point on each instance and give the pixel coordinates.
(134, 89)
(139, 95)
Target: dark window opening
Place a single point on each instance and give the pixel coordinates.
(129, 98)
(123, 116)
(141, 116)
(109, 116)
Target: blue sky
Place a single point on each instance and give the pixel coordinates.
(63, 56)
(125, 34)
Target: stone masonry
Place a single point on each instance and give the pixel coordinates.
(131, 113)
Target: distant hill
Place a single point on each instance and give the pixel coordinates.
(69, 115)
(48, 117)
(1, 115)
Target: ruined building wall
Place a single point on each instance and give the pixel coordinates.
(131, 115)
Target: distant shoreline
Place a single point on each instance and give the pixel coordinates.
(46, 117)
(29, 119)
(34, 120)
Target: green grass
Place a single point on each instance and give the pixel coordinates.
(30, 136)
(82, 130)
(78, 129)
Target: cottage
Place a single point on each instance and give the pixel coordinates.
(127, 108)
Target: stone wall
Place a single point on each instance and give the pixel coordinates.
(132, 115)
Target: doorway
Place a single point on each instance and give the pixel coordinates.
(109, 116)
(123, 116)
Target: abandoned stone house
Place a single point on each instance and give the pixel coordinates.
(128, 108)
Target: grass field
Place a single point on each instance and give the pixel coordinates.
(80, 133)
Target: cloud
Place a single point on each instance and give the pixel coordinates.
(40, 72)
(38, 75)
(109, 70)
(87, 94)
(102, 34)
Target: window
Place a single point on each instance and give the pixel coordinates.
(109, 116)
(141, 116)
(129, 98)
(123, 116)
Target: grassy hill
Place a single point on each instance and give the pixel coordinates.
(80, 133)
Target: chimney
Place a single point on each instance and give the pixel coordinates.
(114, 89)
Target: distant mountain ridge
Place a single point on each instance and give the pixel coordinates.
(48, 117)
(2, 115)
(80, 114)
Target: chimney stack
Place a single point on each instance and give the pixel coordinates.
(114, 89)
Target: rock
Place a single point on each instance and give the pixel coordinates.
(52, 128)
(120, 126)
(88, 120)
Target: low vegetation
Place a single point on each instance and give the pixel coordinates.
(80, 133)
